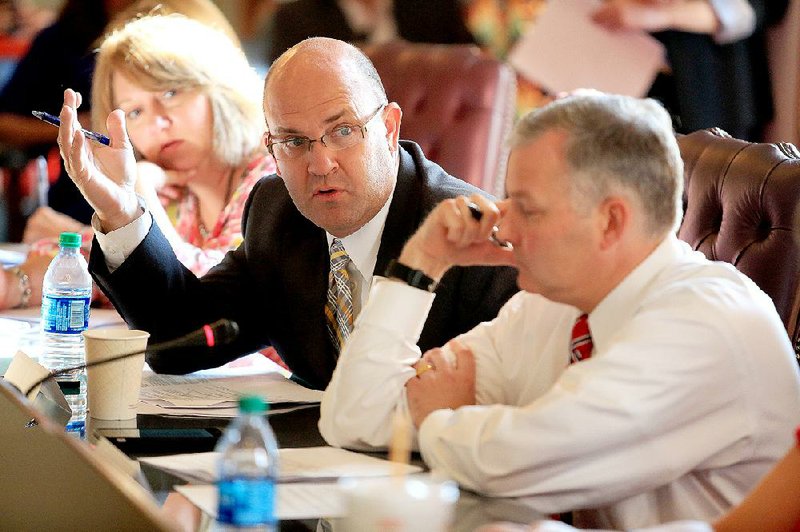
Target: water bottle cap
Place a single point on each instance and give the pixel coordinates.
(252, 404)
(69, 240)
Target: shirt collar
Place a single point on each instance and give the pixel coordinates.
(363, 245)
(624, 300)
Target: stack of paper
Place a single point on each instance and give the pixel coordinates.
(297, 465)
(215, 393)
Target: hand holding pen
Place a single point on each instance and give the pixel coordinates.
(477, 214)
(55, 121)
(458, 232)
(105, 175)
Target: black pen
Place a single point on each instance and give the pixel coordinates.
(55, 121)
(476, 213)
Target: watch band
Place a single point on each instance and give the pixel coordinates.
(410, 276)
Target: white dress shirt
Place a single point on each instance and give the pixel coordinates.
(362, 248)
(118, 245)
(690, 396)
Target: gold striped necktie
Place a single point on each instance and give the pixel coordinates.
(339, 308)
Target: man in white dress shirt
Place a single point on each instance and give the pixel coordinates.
(681, 388)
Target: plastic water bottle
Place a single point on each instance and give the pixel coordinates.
(248, 470)
(66, 294)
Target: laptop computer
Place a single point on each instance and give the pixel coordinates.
(51, 481)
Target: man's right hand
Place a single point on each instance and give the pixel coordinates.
(450, 236)
(105, 175)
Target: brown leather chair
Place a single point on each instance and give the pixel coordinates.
(741, 205)
(458, 105)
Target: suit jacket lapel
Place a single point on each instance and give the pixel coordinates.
(404, 213)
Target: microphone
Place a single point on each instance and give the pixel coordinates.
(221, 332)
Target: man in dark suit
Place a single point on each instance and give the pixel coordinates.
(431, 21)
(343, 175)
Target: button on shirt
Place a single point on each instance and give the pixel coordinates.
(689, 398)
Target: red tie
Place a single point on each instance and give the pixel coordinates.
(581, 343)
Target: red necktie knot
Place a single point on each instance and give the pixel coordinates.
(581, 342)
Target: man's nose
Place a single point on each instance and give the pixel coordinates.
(321, 159)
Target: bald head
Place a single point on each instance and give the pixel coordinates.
(320, 60)
(327, 89)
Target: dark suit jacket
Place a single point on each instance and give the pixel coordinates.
(275, 284)
(433, 21)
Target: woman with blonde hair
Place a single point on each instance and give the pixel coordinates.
(193, 111)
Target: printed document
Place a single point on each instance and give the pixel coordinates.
(216, 392)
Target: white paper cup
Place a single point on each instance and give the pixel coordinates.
(410, 504)
(113, 388)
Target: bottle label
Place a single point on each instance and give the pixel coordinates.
(246, 501)
(65, 315)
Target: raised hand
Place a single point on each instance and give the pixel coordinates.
(105, 175)
(452, 236)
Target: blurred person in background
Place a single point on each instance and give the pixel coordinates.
(718, 73)
(20, 21)
(193, 109)
(59, 56)
(63, 55)
(368, 22)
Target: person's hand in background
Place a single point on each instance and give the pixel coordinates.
(48, 223)
(695, 16)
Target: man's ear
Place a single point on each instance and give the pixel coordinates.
(392, 116)
(277, 163)
(615, 218)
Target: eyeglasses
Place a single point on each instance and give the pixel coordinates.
(341, 137)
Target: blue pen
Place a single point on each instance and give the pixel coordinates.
(54, 120)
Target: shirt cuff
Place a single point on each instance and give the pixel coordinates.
(429, 430)
(395, 306)
(118, 245)
(737, 20)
